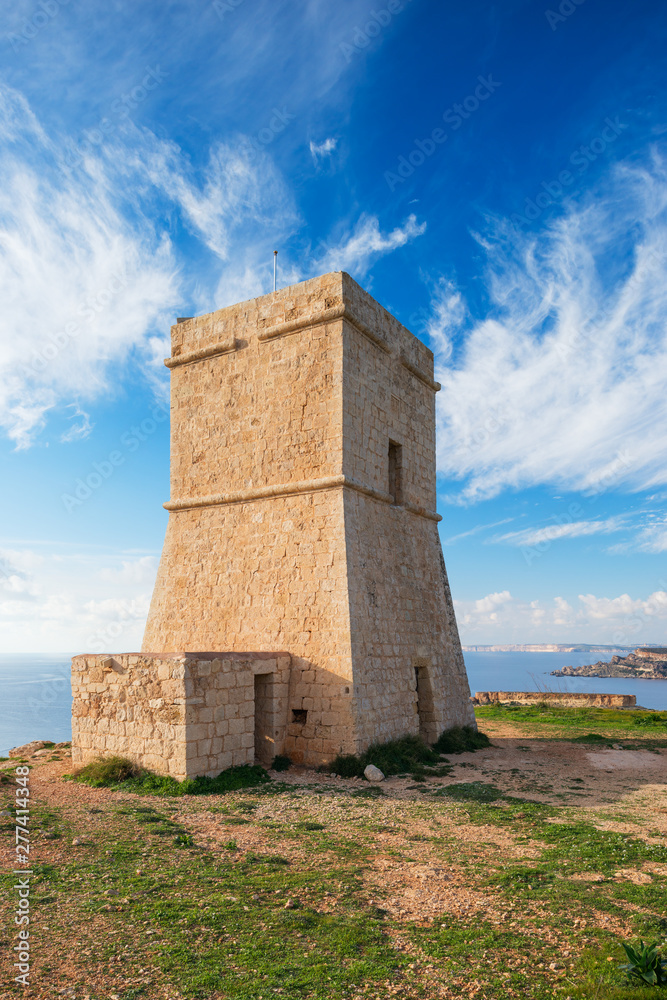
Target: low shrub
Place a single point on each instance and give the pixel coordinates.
(121, 773)
(645, 964)
(106, 771)
(461, 739)
(281, 763)
(405, 755)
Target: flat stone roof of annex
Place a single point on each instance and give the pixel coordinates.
(323, 299)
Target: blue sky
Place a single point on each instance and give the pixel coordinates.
(494, 174)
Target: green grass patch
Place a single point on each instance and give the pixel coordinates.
(596, 739)
(590, 720)
(104, 772)
(408, 755)
(172, 917)
(471, 791)
(405, 755)
(371, 792)
(461, 739)
(121, 773)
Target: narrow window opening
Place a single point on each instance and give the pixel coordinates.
(395, 472)
(299, 715)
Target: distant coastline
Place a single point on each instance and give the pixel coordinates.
(648, 663)
(549, 648)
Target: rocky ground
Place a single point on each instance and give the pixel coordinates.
(517, 874)
(619, 666)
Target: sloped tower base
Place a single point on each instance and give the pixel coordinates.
(301, 604)
(303, 514)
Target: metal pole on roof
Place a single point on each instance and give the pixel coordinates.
(275, 258)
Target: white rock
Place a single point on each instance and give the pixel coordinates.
(373, 773)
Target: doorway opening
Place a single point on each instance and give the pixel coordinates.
(425, 707)
(264, 741)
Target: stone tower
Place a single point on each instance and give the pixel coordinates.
(302, 519)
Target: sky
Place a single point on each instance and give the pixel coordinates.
(495, 174)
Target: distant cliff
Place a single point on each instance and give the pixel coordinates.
(644, 664)
(550, 647)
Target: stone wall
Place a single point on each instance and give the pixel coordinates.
(565, 698)
(287, 529)
(180, 714)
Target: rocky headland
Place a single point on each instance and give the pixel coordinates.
(644, 664)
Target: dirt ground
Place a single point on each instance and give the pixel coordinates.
(612, 788)
(609, 786)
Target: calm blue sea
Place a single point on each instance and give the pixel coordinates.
(36, 698)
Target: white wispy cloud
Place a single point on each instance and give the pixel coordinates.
(141, 570)
(318, 150)
(563, 382)
(76, 600)
(240, 190)
(502, 618)
(653, 536)
(552, 532)
(355, 247)
(361, 248)
(81, 282)
(81, 427)
(476, 531)
(17, 579)
(89, 275)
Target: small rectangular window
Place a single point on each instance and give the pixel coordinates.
(395, 472)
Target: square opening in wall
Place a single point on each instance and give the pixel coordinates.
(299, 715)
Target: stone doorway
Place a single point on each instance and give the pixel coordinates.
(425, 706)
(264, 738)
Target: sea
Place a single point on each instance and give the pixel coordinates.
(36, 697)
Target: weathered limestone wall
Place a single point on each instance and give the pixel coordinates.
(179, 714)
(284, 531)
(267, 574)
(565, 698)
(408, 666)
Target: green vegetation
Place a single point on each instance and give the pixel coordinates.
(107, 771)
(348, 891)
(645, 964)
(121, 773)
(409, 755)
(634, 722)
(473, 791)
(461, 739)
(406, 755)
(281, 763)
